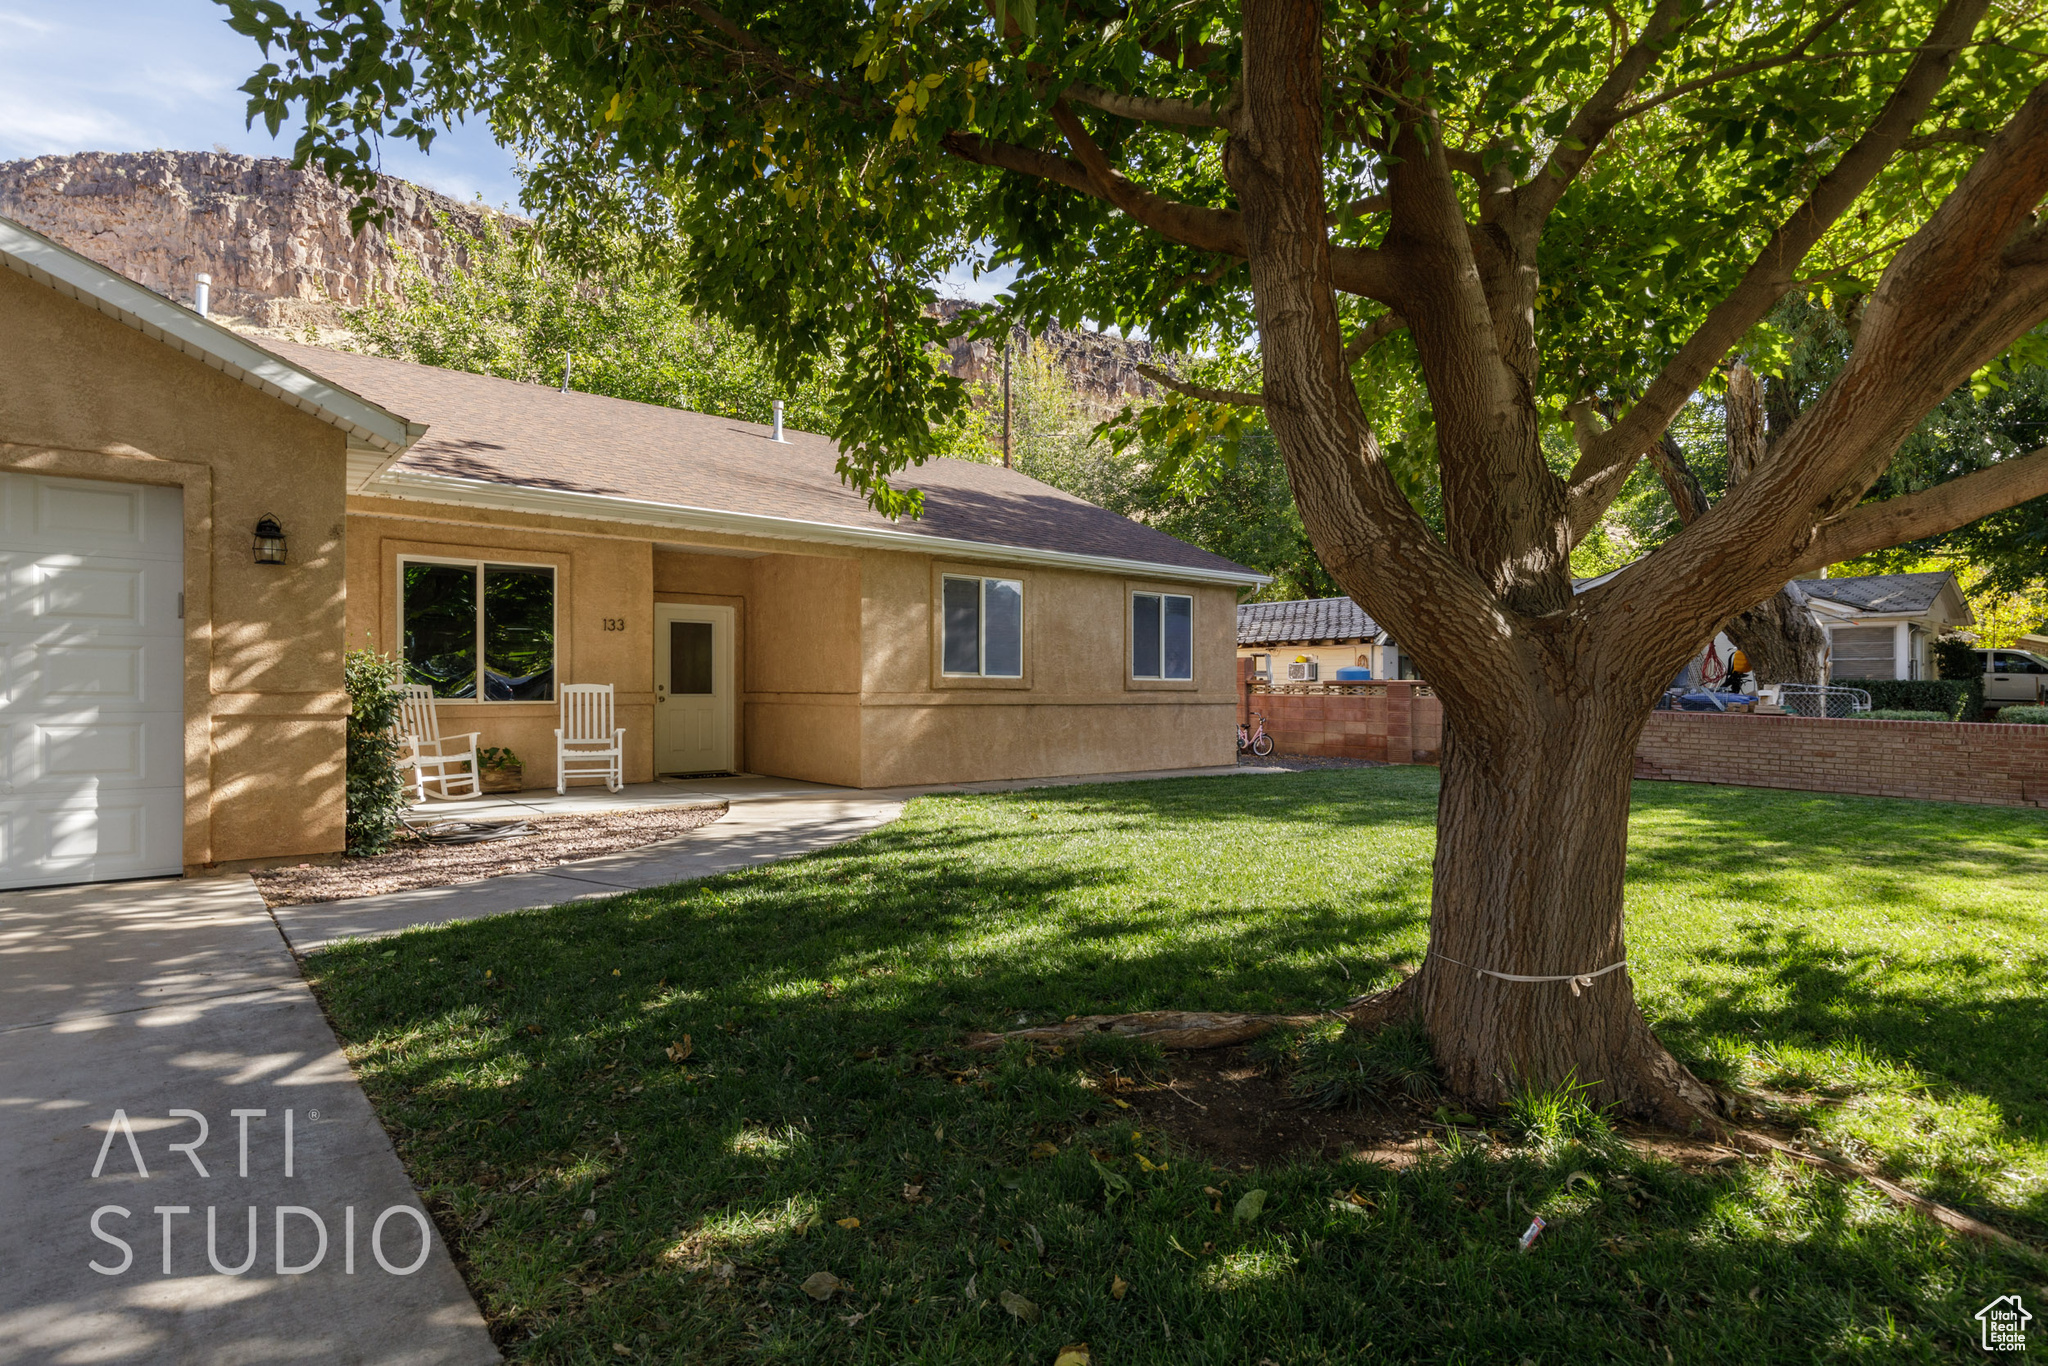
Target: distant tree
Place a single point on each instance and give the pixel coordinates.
(517, 311)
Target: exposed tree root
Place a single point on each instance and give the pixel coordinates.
(1188, 1030)
(1955, 1221)
(1171, 1029)
(1668, 1095)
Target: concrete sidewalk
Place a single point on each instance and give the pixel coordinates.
(145, 999)
(767, 820)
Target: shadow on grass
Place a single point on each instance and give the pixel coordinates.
(610, 1201)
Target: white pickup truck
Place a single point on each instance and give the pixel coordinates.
(2013, 677)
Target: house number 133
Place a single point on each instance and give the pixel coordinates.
(614, 623)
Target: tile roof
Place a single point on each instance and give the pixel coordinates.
(1270, 623)
(530, 436)
(1880, 592)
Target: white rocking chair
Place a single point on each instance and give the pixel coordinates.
(586, 738)
(451, 759)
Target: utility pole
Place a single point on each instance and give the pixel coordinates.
(1006, 400)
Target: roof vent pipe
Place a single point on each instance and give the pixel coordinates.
(202, 293)
(568, 365)
(778, 419)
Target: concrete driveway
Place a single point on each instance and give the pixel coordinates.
(147, 999)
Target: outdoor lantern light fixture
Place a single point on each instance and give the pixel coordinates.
(269, 541)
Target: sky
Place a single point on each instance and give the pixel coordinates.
(142, 75)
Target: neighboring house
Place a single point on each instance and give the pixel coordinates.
(1334, 633)
(169, 700)
(1885, 625)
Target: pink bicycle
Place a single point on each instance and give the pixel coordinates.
(1254, 738)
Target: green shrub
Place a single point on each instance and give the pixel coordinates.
(1955, 699)
(375, 788)
(1956, 658)
(491, 757)
(1894, 715)
(2024, 716)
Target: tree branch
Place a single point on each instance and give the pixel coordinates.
(1946, 506)
(1029, 161)
(1152, 108)
(1533, 202)
(1371, 335)
(1236, 397)
(1218, 230)
(1773, 270)
(1796, 53)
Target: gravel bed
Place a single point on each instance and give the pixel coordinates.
(416, 863)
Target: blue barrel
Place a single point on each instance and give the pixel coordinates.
(1354, 675)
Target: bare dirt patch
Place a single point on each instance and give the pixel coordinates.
(417, 863)
(1225, 1107)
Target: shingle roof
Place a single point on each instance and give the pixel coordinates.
(533, 437)
(1270, 623)
(1880, 592)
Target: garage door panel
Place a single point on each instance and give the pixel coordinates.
(98, 673)
(91, 681)
(67, 594)
(86, 840)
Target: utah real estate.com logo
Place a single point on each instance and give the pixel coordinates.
(2005, 1322)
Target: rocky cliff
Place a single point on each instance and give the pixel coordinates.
(276, 240)
(277, 243)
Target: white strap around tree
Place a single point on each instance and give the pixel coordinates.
(1577, 979)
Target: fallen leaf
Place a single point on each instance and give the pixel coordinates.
(913, 1193)
(1076, 1355)
(822, 1285)
(1005, 1244)
(1044, 1149)
(848, 1222)
(590, 1216)
(1017, 1305)
(1212, 1192)
(853, 1320)
(1249, 1207)
(1149, 1165)
(1117, 1286)
(1120, 1104)
(678, 1052)
(620, 1348)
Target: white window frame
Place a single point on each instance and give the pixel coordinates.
(555, 624)
(981, 582)
(1132, 661)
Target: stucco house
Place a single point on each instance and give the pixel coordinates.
(1329, 633)
(170, 700)
(1885, 625)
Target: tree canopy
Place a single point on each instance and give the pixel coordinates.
(818, 166)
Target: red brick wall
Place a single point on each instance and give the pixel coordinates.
(1937, 761)
(1402, 723)
(1396, 722)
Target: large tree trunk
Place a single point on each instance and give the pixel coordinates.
(1532, 837)
(1783, 639)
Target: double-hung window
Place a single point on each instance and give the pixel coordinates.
(983, 627)
(1163, 636)
(455, 617)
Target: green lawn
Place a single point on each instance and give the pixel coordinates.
(1879, 966)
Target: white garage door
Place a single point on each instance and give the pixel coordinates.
(91, 681)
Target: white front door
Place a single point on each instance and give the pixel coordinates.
(92, 680)
(693, 689)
